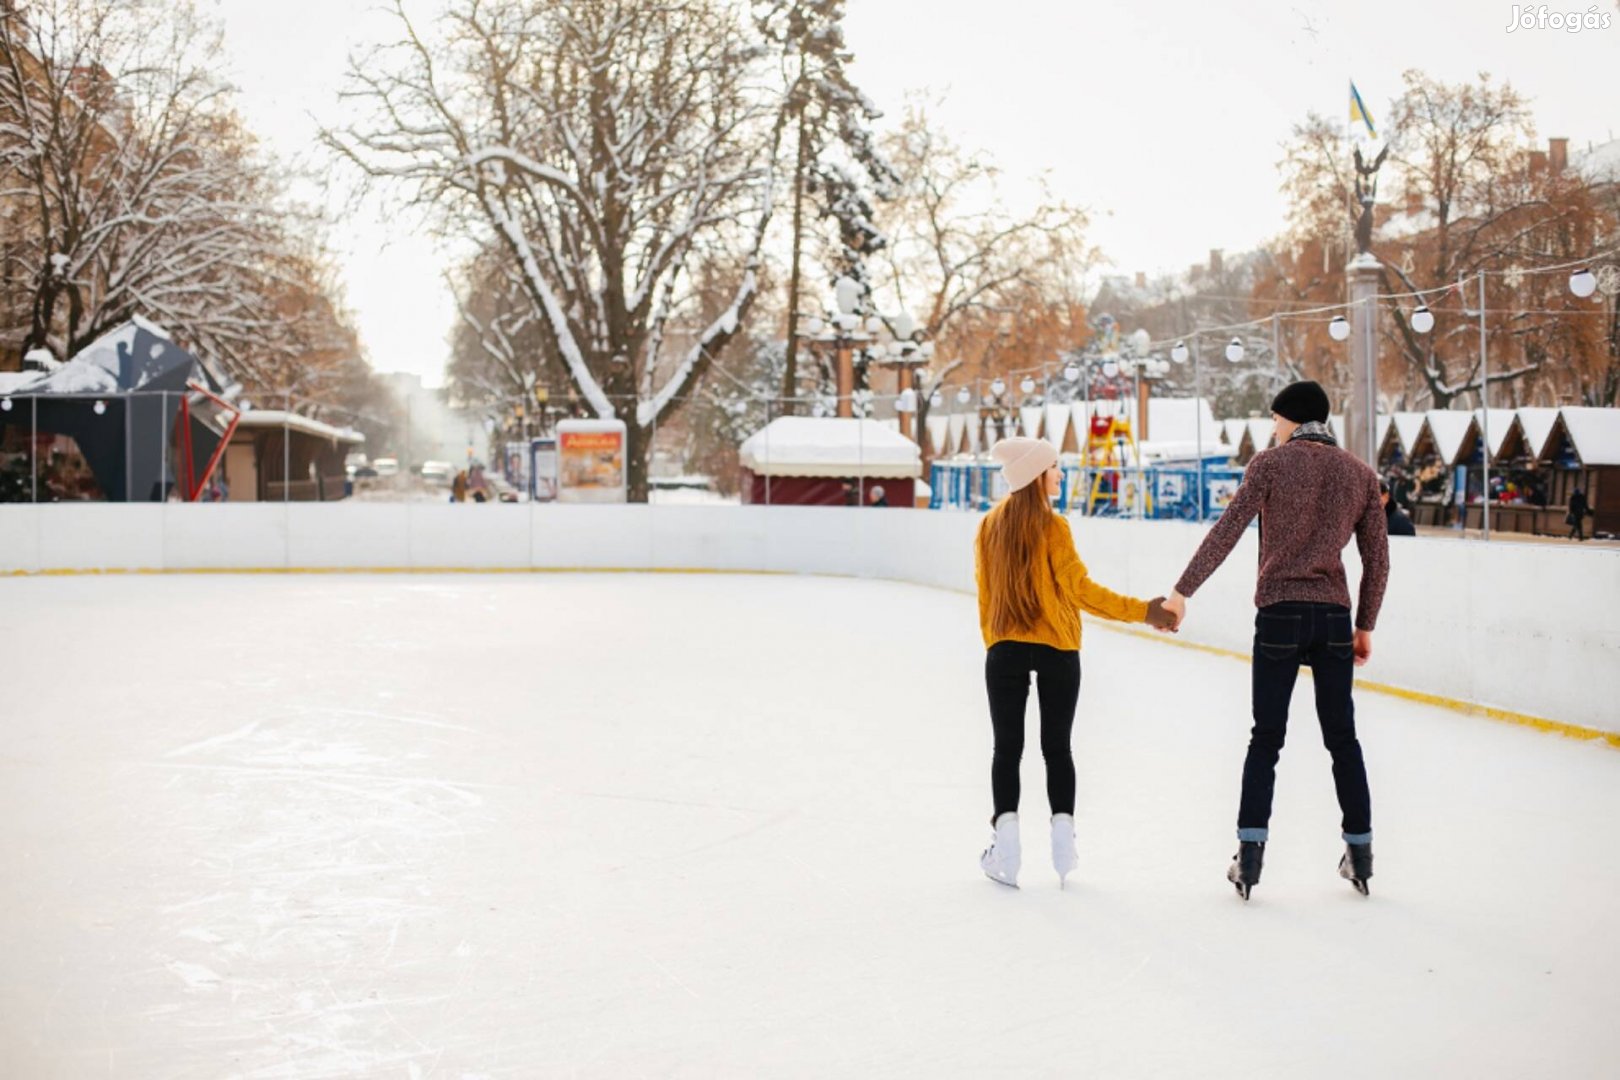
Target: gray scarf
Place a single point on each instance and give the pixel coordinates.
(1314, 431)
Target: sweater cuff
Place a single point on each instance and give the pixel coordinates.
(1186, 587)
(1138, 610)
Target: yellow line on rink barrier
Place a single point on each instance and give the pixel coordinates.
(1506, 716)
(1538, 723)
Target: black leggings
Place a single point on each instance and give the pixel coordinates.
(1007, 666)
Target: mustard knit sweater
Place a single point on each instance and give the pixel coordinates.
(1064, 587)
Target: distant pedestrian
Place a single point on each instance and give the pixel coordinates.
(1576, 515)
(1397, 523)
(878, 498)
(458, 487)
(1401, 491)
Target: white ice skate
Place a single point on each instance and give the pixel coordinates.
(1000, 859)
(1064, 857)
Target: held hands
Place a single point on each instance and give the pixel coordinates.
(1161, 617)
(1363, 647)
(1177, 607)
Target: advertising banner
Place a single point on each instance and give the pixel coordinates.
(591, 461)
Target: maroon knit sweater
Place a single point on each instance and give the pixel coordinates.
(1310, 498)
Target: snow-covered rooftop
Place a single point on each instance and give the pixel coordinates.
(258, 419)
(1500, 422)
(1595, 434)
(829, 446)
(1181, 420)
(13, 382)
(1408, 425)
(1537, 424)
(1449, 430)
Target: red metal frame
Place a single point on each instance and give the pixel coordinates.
(195, 485)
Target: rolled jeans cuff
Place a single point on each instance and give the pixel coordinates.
(1358, 837)
(1253, 836)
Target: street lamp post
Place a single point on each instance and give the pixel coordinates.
(1178, 353)
(845, 329)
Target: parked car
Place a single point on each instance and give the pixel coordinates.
(438, 473)
(386, 466)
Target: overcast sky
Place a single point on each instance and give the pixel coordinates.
(1165, 119)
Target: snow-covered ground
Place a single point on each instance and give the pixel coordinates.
(615, 825)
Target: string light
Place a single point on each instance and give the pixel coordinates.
(1339, 328)
(1422, 319)
(1583, 282)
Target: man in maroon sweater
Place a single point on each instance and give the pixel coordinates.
(1311, 497)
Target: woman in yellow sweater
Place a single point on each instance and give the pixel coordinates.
(1032, 588)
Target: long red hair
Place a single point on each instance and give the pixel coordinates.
(1013, 536)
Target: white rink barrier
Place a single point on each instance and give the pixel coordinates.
(1526, 629)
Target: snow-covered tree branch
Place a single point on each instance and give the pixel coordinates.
(604, 148)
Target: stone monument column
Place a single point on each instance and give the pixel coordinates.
(1360, 422)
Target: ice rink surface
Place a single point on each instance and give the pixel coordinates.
(667, 825)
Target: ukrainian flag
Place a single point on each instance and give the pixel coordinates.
(1358, 111)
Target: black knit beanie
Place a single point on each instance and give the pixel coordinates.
(1302, 402)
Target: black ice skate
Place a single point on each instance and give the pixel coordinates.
(1355, 866)
(1244, 873)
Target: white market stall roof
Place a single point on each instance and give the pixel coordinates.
(1381, 430)
(1232, 431)
(1407, 427)
(1537, 424)
(830, 446)
(1594, 433)
(264, 419)
(1501, 421)
(1181, 419)
(1261, 428)
(1449, 430)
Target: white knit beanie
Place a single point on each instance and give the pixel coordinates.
(1023, 460)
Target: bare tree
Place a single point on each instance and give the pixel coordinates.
(130, 185)
(963, 264)
(1474, 197)
(604, 145)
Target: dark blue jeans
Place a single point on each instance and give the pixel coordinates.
(1285, 637)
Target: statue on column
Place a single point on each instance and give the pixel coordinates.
(1366, 195)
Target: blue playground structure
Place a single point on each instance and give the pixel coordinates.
(1153, 491)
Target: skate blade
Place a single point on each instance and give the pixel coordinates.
(1001, 881)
